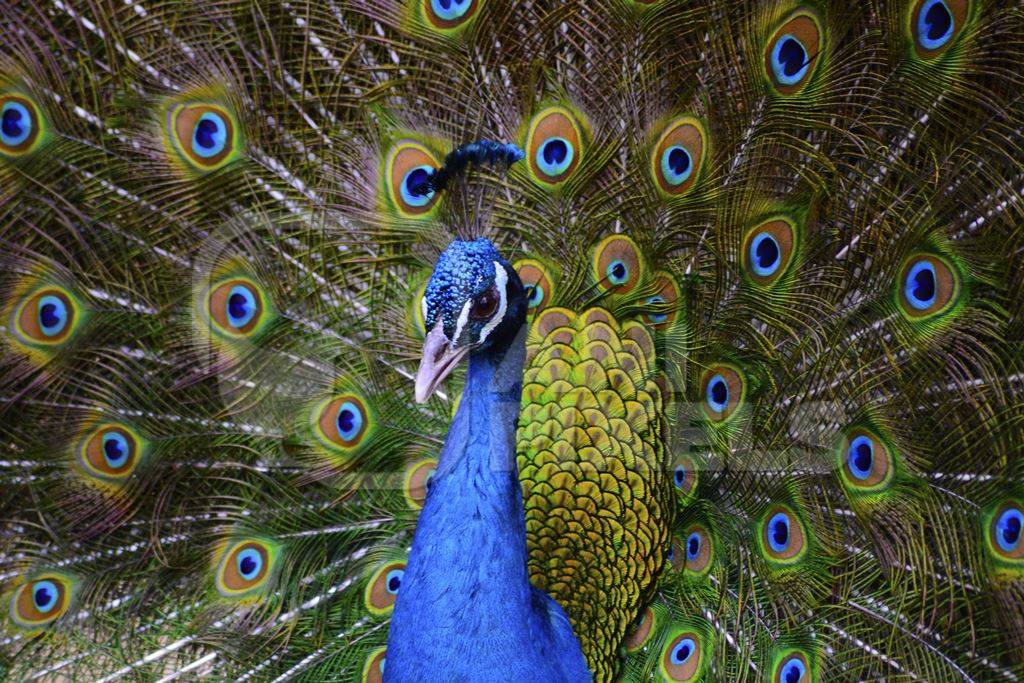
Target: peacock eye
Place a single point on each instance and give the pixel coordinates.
(205, 133)
(782, 536)
(244, 567)
(935, 23)
(47, 316)
(792, 53)
(236, 306)
(929, 286)
(20, 125)
(678, 156)
(383, 586)
(449, 14)
(792, 670)
(41, 601)
(1008, 530)
(723, 390)
(111, 452)
(485, 305)
(417, 481)
(409, 166)
(768, 250)
(681, 658)
(642, 631)
(343, 421)
(617, 264)
(553, 145)
(373, 669)
(684, 475)
(538, 283)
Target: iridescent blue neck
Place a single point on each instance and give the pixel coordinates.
(466, 609)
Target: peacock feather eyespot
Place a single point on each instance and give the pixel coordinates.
(22, 127)
(1005, 534)
(448, 15)
(373, 668)
(935, 24)
(382, 588)
(928, 287)
(699, 550)
(237, 307)
(792, 666)
(417, 480)
(642, 631)
(793, 52)
(682, 657)
(244, 567)
(768, 250)
(538, 283)
(678, 156)
(782, 536)
(111, 452)
(684, 475)
(344, 424)
(554, 145)
(666, 300)
(408, 166)
(41, 600)
(46, 318)
(723, 390)
(617, 264)
(204, 134)
(866, 462)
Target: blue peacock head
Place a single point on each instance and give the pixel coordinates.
(473, 303)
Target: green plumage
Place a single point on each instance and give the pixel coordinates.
(818, 323)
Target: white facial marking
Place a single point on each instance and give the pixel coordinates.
(461, 322)
(501, 283)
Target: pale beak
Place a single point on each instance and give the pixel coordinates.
(439, 358)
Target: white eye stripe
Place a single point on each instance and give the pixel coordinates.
(461, 322)
(501, 284)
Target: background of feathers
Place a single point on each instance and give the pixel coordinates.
(883, 154)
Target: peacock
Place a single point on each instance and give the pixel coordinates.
(496, 340)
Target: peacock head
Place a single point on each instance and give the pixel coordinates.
(473, 303)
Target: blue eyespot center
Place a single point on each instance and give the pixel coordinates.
(765, 254)
(861, 457)
(44, 595)
(920, 286)
(350, 421)
(676, 165)
(657, 318)
(683, 650)
(393, 581)
(241, 306)
(210, 135)
(249, 563)
(718, 394)
(52, 315)
(935, 24)
(679, 475)
(1008, 529)
(115, 449)
(693, 546)
(778, 531)
(450, 9)
(617, 272)
(414, 189)
(789, 60)
(792, 671)
(555, 156)
(15, 124)
(534, 295)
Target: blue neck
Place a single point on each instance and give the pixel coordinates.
(466, 610)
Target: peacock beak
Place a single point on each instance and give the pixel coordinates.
(439, 358)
